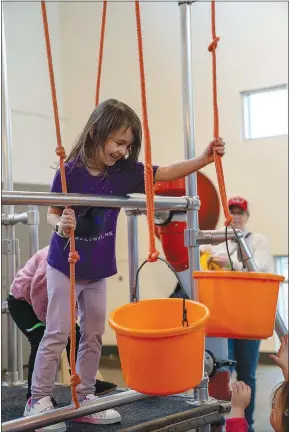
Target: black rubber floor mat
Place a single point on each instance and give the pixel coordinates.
(14, 400)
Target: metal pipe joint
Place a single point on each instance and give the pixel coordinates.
(13, 219)
(216, 237)
(4, 307)
(194, 202)
(133, 212)
(201, 391)
(31, 217)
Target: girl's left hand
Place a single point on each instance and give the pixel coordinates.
(217, 146)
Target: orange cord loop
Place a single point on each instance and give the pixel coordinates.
(60, 152)
(153, 257)
(73, 257)
(217, 158)
(213, 45)
(75, 380)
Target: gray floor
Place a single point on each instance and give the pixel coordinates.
(268, 378)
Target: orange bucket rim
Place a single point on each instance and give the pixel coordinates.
(174, 331)
(215, 274)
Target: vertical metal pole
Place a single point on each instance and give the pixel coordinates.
(132, 233)
(12, 373)
(189, 137)
(33, 222)
(19, 333)
(189, 141)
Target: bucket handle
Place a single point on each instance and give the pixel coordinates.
(134, 298)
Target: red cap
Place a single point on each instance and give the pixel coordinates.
(238, 202)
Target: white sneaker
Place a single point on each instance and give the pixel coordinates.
(41, 406)
(104, 417)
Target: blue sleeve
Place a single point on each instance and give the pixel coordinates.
(137, 183)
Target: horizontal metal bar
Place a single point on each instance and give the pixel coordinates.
(185, 420)
(216, 237)
(69, 413)
(60, 199)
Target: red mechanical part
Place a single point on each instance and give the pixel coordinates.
(173, 243)
(172, 234)
(219, 386)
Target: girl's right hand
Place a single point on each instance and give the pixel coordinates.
(67, 221)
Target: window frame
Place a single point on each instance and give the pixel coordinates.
(278, 268)
(246, 118)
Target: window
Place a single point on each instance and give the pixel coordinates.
(265, 112)
(281, 268)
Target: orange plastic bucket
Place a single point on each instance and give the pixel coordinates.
(242, 305)
(158, 355)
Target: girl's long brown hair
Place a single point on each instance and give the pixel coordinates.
(283, 399)
(107, 118)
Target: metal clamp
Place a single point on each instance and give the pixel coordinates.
(10, 247)
(133, 212)
(191, 237)
(201, 393)
(4, 307)
(32, 215)
(194, 202)
(13, 219)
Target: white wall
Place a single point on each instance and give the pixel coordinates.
(34, 139)
(251, 54)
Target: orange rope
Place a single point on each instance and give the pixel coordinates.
(218, 161)
(73, 255)
(100, 54)
(149, 180)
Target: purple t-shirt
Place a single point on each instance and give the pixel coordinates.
(97, 253)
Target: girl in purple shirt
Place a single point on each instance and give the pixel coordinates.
(103, 161)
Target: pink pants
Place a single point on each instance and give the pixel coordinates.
(91, 298)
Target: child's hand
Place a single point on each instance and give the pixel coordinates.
(282, 357)
(241, 396)
(67, 221)
(217, 146)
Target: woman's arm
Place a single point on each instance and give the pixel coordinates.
(261, 254)
(185, 168)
